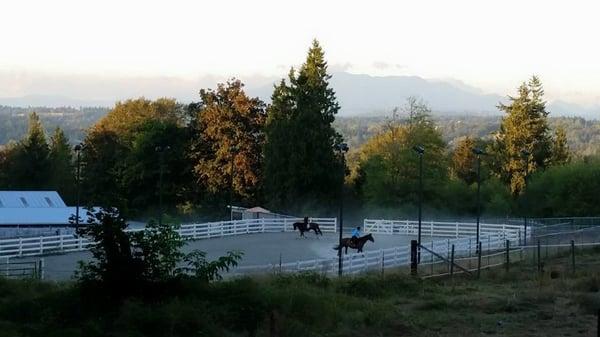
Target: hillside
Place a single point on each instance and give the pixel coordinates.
(583, 135)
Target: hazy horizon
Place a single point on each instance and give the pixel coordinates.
(75, 50)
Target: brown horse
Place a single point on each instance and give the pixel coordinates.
(348, 243)
(307, 227)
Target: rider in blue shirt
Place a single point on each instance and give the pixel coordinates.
(355, 235)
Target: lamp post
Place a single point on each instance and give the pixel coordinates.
(479, 152)
(420, 150)
(342, 149)
(233, 151)
(525, 154)
(161, 152)
(78, 148)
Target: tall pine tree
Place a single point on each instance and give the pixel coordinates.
(560, 148)
(62, 175)
(524, 128)
(301, 165)
(29, 168)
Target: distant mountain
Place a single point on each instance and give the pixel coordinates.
(52, 101)
(562, 108)
(365, 94)
(358, 94)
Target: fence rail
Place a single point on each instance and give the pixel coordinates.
(441, 229)
(69, 243)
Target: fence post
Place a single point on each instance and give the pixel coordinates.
(573, 255)
(41, 245)
(413, 257)
(479, 259)
(41, 269)
(452, 261)
(539, 256)
(507, 255)
(382, 263)
(20, 247)
(279, 263)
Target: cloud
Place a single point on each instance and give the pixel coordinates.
(339, 67)
(382, 65)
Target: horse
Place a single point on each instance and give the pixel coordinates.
(307, 227)
(360, 242)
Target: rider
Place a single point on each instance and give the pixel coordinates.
(355, 235)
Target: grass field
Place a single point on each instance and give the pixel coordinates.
(521, 302)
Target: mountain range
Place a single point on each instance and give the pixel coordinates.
(358, 94)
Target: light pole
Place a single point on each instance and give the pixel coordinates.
(161, 152)
(233, 151)
(420, 150)
(342, 149)
(479, 152)
(78, 148)
(525, 154)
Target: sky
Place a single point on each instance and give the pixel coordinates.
(492, 45)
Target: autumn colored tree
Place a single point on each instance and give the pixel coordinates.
(229, 139)
(464, 161)
(301, 165)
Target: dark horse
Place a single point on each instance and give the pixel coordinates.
(307, 227)
(348, 243)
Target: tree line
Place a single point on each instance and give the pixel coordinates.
(232, 149)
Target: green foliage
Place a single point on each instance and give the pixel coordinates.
(567, 190)
(131, 264)
(102, 166)
(301, 165)
(389, 167)
(560, 149)
(120, 153)
(159, 248)
(115, 266)
(62, 171)
(208, 271)
(28, 161)
(524, 128)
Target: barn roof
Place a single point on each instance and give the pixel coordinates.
(35, 208)
(30, 199)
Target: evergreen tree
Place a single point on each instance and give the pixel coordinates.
(560, 148)
(62, 174)
(29, 168)
(301, 164)
(523, 130)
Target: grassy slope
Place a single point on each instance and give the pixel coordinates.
(518, 303)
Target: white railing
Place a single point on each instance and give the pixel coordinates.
(69, 243)
(352, 263)
(440, 229)
(390, 257)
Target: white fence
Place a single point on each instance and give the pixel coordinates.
(352, 263)
(69, 243)
(439, 229)
(461, 235)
